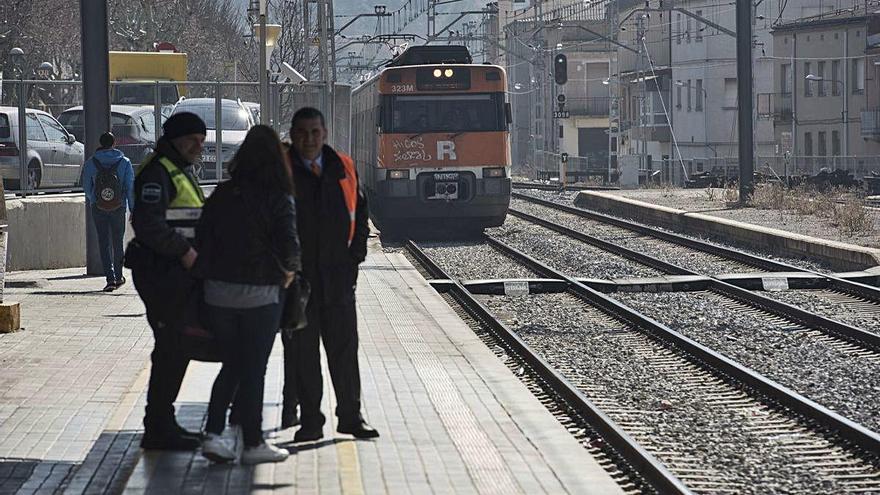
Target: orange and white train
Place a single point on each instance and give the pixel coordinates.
(431, 140)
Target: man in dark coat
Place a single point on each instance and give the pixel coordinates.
(167, 206)
(331, 214)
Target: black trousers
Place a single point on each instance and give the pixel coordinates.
(336, 325)
(168, 363)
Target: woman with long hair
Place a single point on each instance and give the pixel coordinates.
(248, 254)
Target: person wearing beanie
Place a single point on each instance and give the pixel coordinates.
(167, 206)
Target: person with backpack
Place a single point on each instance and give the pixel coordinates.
(108, 181)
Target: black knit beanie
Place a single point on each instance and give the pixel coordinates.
(182, 124)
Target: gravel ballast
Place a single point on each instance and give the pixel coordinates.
(690, 259)
(784, 352)
(640, 384)
(474, 260)
(572, 257)
(567, 198)
(840, 307)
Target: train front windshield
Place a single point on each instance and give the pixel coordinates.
(479, 112)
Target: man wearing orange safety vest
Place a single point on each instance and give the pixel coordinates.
(331, 217)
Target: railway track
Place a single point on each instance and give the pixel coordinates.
(856, 297)
(604, 356)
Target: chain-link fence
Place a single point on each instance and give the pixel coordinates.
(42, 132)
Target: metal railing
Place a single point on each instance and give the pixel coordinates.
(41, 129)
(777, 106)
(870, 123)
(599, 106)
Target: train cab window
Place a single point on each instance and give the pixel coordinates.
(479, 112)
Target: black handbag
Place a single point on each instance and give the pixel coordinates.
(293, 315)
(197, 342)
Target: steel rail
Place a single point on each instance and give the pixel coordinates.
(854, 288)
(705, 357)
(651, 469)
(555, 187)
(793, 313)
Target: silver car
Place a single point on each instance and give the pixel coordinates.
(54, 157)
(236, 120)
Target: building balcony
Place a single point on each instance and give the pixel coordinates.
(775, 105)
(870, 123)
(591, 106)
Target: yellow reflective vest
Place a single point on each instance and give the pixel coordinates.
(185, 209)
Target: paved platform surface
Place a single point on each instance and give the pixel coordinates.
(453, 418)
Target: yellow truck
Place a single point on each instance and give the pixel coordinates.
(146, 68)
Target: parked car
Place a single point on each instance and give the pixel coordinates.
(254, 109)
(133, 126)
(236, 121)
(54, 157)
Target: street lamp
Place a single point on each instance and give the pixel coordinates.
(844, 114)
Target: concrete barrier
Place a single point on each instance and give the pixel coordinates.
(46, 232)
(840, 256)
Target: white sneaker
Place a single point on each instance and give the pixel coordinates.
(265, 452)
(215, 448)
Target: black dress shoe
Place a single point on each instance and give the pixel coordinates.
(308, 435)
(189, 434)
(168, 441)
(289, 419)
(360, 430)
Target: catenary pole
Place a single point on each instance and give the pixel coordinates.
(96, 101)
(744, 96)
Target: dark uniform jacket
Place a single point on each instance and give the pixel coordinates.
(153, 192)
(154, 254)
(323, 223)
(247, 236)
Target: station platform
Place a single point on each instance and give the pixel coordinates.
(452, 417)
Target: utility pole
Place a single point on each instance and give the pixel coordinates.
(643, 102)
(744, 95)
(96, 101)
(264, 74)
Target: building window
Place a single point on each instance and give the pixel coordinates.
(835, 143)
(699, 95)
(808, 144)
(689, 94)
(680, 33)
(688, 29)
(823, 151)
(729, 92)
(678, 96)
(785, 78)
(858, 76)
(698, 35)
(808, 85)
(820, 71)
(835, 76)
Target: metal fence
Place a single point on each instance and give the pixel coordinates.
(42, 136)
(670, 171)
(577, 168)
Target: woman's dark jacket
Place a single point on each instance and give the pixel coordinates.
(247, 236)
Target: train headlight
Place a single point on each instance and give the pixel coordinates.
(448, 73)
(493, 172)
(398, 174)
(438, 72)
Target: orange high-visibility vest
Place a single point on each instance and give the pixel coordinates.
(349, 185)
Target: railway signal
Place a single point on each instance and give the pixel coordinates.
(560, 69)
